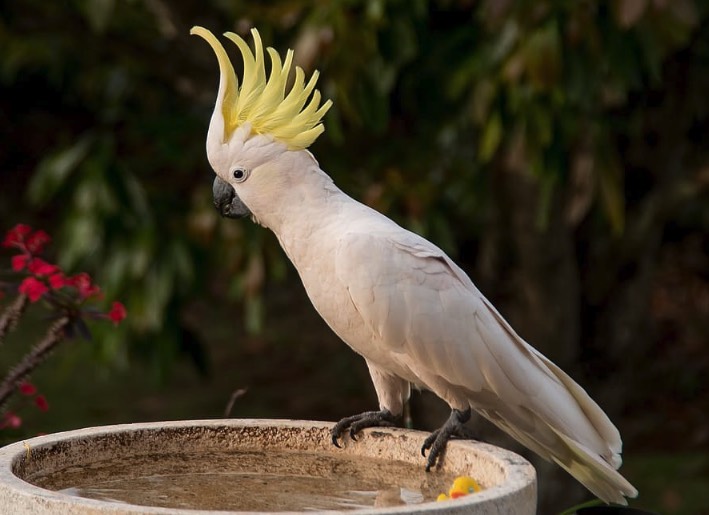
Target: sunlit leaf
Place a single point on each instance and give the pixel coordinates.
(54, 170)
(82, 236)
(542, 57)
(491, 137)
(254, 315)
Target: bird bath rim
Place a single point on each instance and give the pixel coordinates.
(510, 480)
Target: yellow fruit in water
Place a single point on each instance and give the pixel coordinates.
(463, 485)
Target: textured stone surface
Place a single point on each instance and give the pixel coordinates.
(509, 480)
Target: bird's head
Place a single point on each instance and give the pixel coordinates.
(258, 131)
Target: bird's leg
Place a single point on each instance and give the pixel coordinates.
(437, 441)
(356, 423)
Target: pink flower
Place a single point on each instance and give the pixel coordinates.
(82, 282)
(40, 267)
(33, 288)
(20, 261)
(117, 313)
(11, 420)
(27, 388)
(15, 237)
(41, 402)
(36, 242)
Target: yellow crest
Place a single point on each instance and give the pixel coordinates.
(264, 103)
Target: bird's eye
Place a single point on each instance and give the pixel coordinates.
(239, 174)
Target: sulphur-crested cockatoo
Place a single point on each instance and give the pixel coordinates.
(393, 297)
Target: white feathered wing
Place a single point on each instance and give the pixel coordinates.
(439, 332)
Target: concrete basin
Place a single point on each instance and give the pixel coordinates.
(238, 466)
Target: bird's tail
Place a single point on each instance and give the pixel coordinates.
(593, 472)
(561, 423)
(593, 466)
(598, 473)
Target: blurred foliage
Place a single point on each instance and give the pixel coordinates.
(441, 108)
(105, 107)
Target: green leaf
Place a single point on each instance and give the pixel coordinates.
(157, 291)
(98, 13)
(610, 181)
(372, 104)
(491, 137)
(398, 44)
(587, 504)
(54, 170)
(254, 314)
(84, 235)
(542, 57)
(546, 195)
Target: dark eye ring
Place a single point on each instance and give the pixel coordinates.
(239, 174)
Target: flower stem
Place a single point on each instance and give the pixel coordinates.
(55, 334)
(11, 315)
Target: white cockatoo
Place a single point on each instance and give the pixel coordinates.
(392, 296)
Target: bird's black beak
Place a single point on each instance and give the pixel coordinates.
(227, 201)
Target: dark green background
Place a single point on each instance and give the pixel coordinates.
(557, 150)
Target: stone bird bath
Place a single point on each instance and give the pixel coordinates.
(236, 466)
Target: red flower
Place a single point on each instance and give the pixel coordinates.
(33, 288)
(57, 280)
(36, 242)
(27, 388)
(11, 420)
(40, 267)
(117, 313)
(41, 402)
(20, 261)
(15, 237)
(82, 282)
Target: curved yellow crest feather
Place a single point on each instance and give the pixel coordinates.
(264, 103)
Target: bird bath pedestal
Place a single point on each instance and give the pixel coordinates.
(232, 466)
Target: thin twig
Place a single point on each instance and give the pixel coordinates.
(238, 393)
(9, 318)
(55, 334)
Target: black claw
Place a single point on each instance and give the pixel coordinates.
(428, 442)
(437, 441)
(356, 423)
(433, 460)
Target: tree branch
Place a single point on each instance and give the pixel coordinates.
(9, 318)
(55, 334)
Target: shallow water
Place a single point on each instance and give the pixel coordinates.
(251, 481)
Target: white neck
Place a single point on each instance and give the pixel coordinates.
(296, 200)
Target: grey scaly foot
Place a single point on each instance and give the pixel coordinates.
(437, 441)
(356, 423)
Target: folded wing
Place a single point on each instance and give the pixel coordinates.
(437, 330)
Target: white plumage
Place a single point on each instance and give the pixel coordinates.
(398, 300)
(412, 313)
